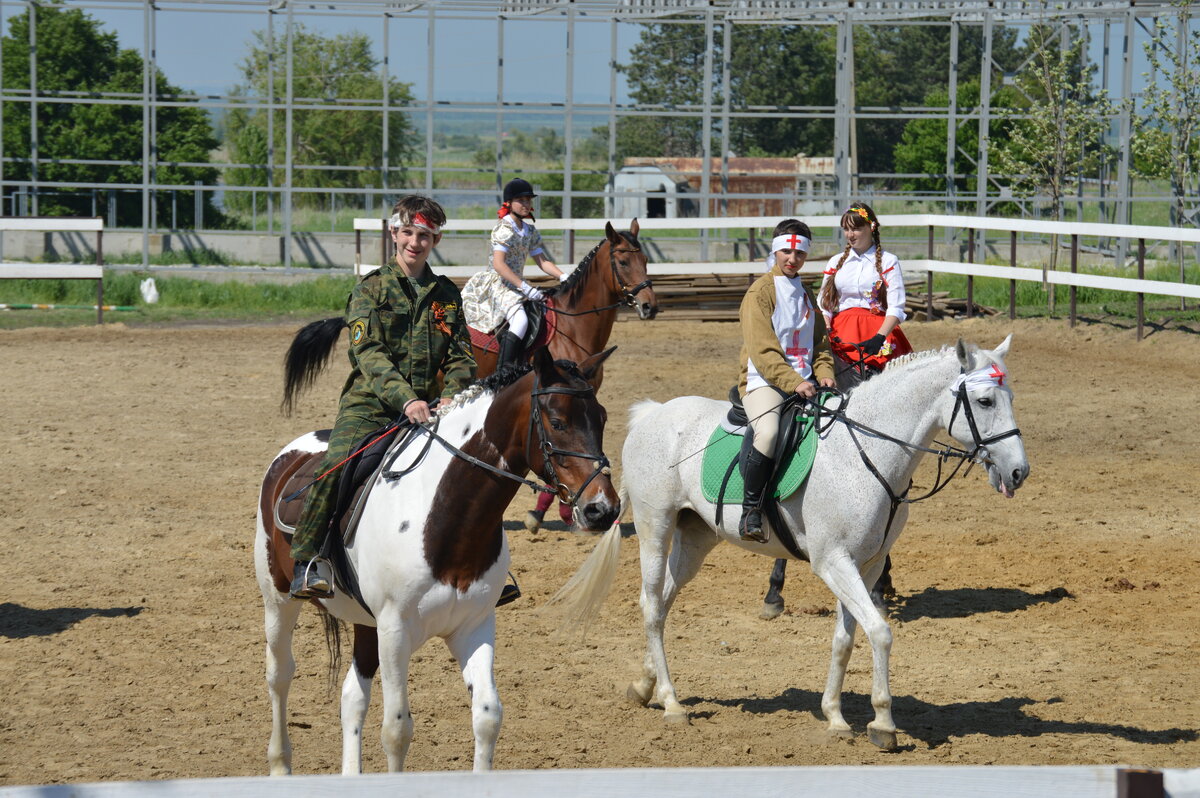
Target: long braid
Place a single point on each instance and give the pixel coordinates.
(828, 300)
(883, 300)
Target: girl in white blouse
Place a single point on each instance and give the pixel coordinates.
(862, 297)
(497, 294)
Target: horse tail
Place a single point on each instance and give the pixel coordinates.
(333, 645)
(583, 594)
(307, 356)
(640, 410)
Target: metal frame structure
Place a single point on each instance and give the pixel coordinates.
(715, 111)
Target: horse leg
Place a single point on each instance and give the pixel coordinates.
(854, 603)
(395, 649)
(883, 589)
(356, 696)
(773, 602)
(280, 616)
(655, 602)
(476, 652)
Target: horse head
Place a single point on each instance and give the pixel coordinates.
(565, 442)
(629, 269)
(982, 418)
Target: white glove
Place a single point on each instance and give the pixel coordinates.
(530, 293)
(562, 278)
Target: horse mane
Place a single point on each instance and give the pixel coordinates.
(573, 285)
(492, 383)
(500, 379)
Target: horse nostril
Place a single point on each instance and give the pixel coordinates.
(1018, 476)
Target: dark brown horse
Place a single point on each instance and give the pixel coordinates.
(429, 555)
(585, 306)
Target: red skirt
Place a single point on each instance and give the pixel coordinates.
(858, 324)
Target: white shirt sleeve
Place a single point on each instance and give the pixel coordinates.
(896, 295)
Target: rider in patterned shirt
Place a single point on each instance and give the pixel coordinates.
(498, 294)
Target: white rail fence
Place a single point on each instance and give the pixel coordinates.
(59, 271)
(917, 781)
(1074, 231)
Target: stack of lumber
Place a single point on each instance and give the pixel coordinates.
(944, 307)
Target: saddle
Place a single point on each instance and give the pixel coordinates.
(795, 450)
(354, 483)
(541, 329)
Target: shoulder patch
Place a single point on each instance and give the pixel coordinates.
(358, 331)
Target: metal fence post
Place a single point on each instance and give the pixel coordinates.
(1012, 284)
(929, 281)
(1074, 270)
(1141, 297)
(970, 277)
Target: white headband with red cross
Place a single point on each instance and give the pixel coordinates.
(788, 241)
(990, 376)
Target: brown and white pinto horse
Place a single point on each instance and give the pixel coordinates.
(585, 305)
(429, 553)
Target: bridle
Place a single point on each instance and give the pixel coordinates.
(549, 450)
(945, 453)
(628, 293)
(545, 447)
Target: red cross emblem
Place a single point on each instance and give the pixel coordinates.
(794, 242)
(997, 375)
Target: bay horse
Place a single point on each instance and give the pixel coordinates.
(584, 307)
(583, 310)
(843, 520)
(429, 555)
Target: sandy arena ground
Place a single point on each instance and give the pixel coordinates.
(1060, 627)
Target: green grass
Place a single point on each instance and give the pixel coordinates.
(180, 300)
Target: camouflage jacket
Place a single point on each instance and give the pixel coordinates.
(402, 333)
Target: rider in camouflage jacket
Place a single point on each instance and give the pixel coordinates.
(403, 331)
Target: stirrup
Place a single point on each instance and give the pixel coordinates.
(315, 583)
(509, 593)
(745, 533)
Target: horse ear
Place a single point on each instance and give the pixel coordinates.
(1002, 350)
(633, 227)
(543, 363)
(611, 234)
(964, 355)
(590, 366)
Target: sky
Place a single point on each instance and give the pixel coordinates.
(202, 51)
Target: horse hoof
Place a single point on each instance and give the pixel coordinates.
(533, 521)
(770, 610)
(839, 734)
(635, 694)
(676, 717)
(882, 739)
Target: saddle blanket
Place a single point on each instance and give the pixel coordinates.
(723, 447)
(488, 342)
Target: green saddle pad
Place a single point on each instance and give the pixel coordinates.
(723, 447)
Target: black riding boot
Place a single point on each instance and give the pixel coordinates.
(756, 470)
(510, 350)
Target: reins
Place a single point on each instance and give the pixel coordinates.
(544, 446)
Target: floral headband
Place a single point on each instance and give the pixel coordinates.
(861, 211)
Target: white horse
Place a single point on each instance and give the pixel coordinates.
(839, 520)
(430, 553)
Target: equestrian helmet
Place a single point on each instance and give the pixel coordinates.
(517, 188)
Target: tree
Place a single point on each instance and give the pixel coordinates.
(75, 55)
(325, 69)
(896, 66)
(666, 69)
(1058, 136)
(1166, 143)
(922, 145)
